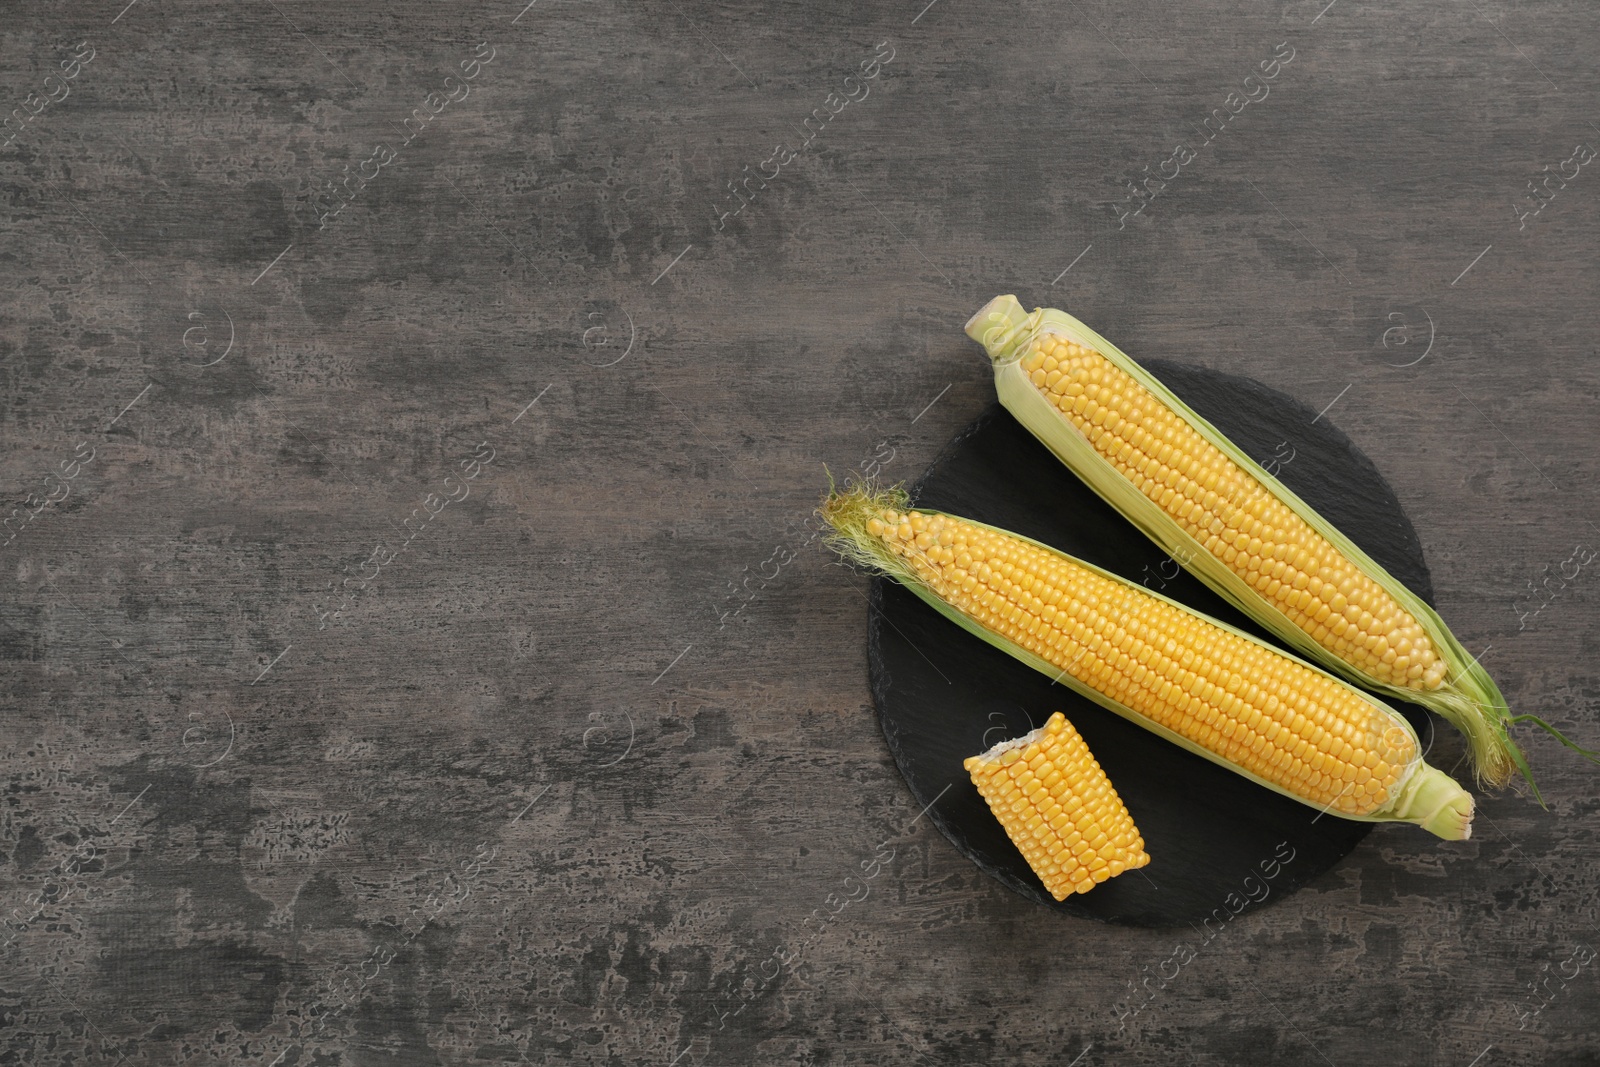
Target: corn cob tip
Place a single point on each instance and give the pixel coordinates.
(1001, 326)
(856, 514)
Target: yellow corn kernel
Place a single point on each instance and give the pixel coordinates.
(1071, 826)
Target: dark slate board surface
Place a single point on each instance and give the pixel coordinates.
(943, 695)
(579, 775)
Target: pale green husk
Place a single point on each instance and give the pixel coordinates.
(1469, 698)
(1425, 795)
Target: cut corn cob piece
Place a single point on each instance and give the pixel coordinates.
(1059, 808)
(1197, 682)
(1233, 525)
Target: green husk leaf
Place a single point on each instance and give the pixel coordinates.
(1425, 796)
(1469, 698)
(1591, 756)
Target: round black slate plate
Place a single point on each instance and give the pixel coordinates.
(1218, 843)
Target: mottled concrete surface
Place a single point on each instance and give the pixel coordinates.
(357, 712)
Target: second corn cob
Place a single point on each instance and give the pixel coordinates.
(1206, 686)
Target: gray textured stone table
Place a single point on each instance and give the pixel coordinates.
(415, 647)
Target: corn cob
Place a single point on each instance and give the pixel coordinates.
(1059, 808)
(1235, 526)
(1200, 683)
